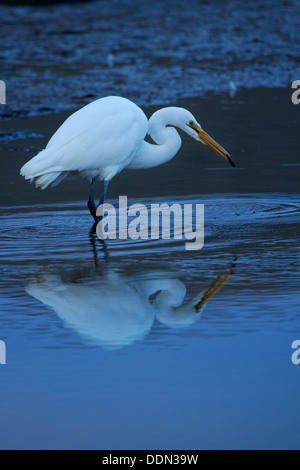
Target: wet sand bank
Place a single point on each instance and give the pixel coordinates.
(59, 57)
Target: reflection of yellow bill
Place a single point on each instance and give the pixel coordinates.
(212, 290)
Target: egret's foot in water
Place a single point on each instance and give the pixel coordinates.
(97, 219)
(93, 230)
(92, 208)
(91, 203)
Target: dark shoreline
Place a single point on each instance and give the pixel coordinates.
(60, 57)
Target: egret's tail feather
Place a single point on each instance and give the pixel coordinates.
(44, 169)
(45, 180)
(60, 178)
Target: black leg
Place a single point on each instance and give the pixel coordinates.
(102, 198)
(104, 191)
(91, 202)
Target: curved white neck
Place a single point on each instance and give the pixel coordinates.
(167, 139)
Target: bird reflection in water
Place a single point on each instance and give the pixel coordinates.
(113, 310)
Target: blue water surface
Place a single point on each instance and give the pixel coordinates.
(146, 345)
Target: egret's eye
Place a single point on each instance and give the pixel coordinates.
(193, 126)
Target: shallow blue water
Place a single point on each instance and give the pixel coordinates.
(116, 349)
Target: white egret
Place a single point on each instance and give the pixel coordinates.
(106, 136)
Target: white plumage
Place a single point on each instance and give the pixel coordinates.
(98, 140)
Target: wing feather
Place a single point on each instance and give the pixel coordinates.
(104, 133)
